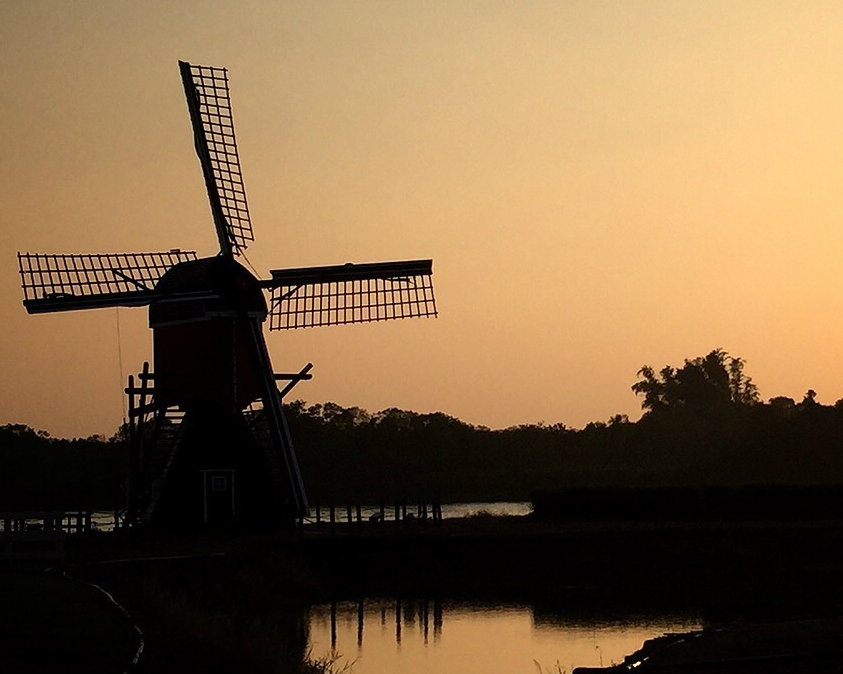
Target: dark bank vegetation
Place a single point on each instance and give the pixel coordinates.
(703, 425)
(218, 613)
(740, 503)
(50, 623)
(38, 472)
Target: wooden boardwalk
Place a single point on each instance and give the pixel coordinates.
(28, 537)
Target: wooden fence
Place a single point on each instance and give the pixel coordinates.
(398, 515)
(38, 536)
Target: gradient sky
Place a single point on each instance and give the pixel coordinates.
(601, 185)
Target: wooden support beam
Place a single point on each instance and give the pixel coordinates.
(134, 456)
(142, 410)
(294, 379)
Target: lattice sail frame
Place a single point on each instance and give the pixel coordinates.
(209, 103)
(108, 279)
(338, 295)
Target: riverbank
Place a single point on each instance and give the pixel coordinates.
(226, 601)
(770, 593)
(49, 623)
(236, 610)
(721, 569)
(813, 645)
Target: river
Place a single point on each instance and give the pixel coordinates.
(449, 510)
(376, 636)
(102, 520)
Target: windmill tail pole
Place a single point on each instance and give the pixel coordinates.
(280, 432)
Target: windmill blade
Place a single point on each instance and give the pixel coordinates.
(208, 101)
(68, 282)
(351, 293)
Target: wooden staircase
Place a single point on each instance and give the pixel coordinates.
(158, 457)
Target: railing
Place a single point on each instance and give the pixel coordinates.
(30, 536)
(400, 515)
(69, 522)
(156, 462)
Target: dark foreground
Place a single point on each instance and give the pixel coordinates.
(764, 648)
(49, 624)
(210, 602)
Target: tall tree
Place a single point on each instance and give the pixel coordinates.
(714, 380)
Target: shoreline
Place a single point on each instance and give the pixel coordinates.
(742, 648)
(735, 573)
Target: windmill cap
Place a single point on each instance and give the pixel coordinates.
(208, 287)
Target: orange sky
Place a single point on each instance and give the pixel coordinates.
(600, 184)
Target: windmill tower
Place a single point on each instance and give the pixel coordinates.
(209, 439)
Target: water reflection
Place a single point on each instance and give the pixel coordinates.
(424, 636)
(367, 513)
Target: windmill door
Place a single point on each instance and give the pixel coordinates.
(218, 493)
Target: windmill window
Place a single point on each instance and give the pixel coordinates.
(219, 483)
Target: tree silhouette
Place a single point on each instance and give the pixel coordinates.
(742, 388)
(703, 383)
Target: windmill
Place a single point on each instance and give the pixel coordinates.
(210, 417)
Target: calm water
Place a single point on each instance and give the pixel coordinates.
(449, 510)
(104, 521)
(385, 637)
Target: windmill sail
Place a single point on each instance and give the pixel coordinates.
(68, 282)
(351, 293)
(208, 101)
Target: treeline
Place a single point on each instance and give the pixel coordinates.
(38, 472)
(703, 425)
(347, 454)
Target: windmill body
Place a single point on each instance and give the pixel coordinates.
(208, 322)
(209, 441)
(207, 368)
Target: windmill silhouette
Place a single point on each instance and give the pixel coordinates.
(211, 413)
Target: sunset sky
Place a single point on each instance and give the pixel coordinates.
(600, 184)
